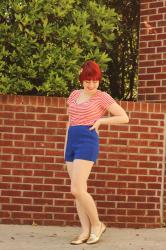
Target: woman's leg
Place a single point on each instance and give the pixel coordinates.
(84, 219)
(80, 173)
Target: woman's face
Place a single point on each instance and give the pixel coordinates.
(90, 86)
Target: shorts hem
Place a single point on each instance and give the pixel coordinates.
(85, 159)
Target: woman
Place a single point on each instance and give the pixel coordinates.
(86, 108)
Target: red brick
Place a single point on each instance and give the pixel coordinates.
(56, 209)
(155, 57)
(127, 178)
(148, 136)
(4, 186)
(5, 171)
(148, 164)
(162, 10)
(153, 212)
(137, 171)
(24, 130)
(21, 186)
(6, 143)
(157, 116)
(34, 151)
(11, 207)
(154, 44)
(4, 214)
(4, 200)
(21, 200)
(32, 208)
(35, 123)
(42, 187)
(14, 108)
(149, 123)
(138, 157)
(137, 185)
(24, 116)
(22, 172)
(161, 63)
(146, 219)
(148, 37)
(156, 17)
(32, 194)
(154, 70)
(6, 115)
(161, 36)
(161, 90)
(137, 199)
(135, 212)
(146, 76)
(6, 129)
(12, 136)
(34, 137)
(126, 192)
(42, 216)
(20, 215)
(144, 5)
(35, 109)
(45, 202)
(157, 4)
(44, 144)
(29, 165)
(32, 180)
(5, 157)
(149, 12)
(156, 144)
(12, 150)
(43, 173)
(147, 178)
(161, 49)
(148, 151)
(126, 205)
(154, 186)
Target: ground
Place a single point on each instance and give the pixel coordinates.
(21, 237)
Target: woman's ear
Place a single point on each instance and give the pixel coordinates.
(80, 71)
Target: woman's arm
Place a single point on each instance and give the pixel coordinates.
(67, 127)
(118, 116)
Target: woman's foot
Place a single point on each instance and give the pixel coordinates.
(82, 238)
(95, 236)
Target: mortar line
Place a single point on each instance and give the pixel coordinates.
(162, 223)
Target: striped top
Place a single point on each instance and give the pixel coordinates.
(89, 111)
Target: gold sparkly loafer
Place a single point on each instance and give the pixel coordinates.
(95, 238)
(79, 240)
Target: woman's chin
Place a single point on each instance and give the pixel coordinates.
(91, 90)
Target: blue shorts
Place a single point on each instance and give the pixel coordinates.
(82, 143)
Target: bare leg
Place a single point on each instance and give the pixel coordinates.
(80, 174)
(84, 219)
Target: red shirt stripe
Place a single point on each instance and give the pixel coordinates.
(89, 111)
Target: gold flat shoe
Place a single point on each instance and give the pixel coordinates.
(79, 240)
(95, 238)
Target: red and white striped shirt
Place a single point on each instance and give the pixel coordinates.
(89, 111)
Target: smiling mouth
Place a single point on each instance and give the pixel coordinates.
(91, 89)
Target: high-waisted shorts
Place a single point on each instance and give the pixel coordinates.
(82, 143)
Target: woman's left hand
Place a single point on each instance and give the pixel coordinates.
(96, 126)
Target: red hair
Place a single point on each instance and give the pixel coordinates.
(90, 71)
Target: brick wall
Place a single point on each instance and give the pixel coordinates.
(152, 52)
(126, 181)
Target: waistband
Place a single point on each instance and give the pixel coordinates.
(81, 126)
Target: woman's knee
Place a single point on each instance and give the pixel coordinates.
(77, 191)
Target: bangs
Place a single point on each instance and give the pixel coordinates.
(90, 71)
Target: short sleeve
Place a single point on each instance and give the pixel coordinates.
(71, 97)
(106, 100)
